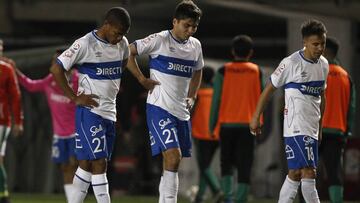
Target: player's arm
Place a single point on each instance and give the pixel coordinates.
(322, 109)
(15, 103)
(216, 98)
(29, 84)
(260, 107)
(133, 67)
(193, 88)
(82, 99)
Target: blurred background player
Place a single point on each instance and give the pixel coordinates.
(337, 122)
(10, 110)
(176, 61)
(205, 143)
(63, 120)
(237, 88)
(303, 75)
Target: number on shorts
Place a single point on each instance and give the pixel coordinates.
(310, 153)
(98, 145)
(167, 133)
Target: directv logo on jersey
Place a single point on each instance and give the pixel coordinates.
(311, 90)
(108, 71)
(179, 67)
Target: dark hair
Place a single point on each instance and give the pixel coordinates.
(208, 74)
(187, 9)
(118, 16)
(332, 45)
(242, 45)
(312, 27)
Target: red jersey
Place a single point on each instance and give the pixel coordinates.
(9, 95)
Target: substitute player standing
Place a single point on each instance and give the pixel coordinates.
(100, 57)
(176, 61)
(303, 75)
(63, 120)
(10, 105)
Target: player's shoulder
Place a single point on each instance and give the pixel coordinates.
(123, 43)
(194, 40)
(323, 60)
(6, 66)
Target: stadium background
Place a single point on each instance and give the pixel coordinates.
(33, 29)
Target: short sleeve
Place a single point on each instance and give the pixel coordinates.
(281, 75)
(148, 44)
(200, 60)
(126, 49)
(72, 55)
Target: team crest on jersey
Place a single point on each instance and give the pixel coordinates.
(171, 49)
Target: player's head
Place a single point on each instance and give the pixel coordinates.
(186, 19)
(314, 38)
(1, 47)
(208, 74)
(331, 49)
(242, 47)
(116, 24)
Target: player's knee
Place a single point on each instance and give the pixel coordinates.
(309, 173)
(295, 175)
(98, 166)
(172, 158)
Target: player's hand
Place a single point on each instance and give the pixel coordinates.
(255, 128)
(189, 103)
(87, 100)
(149, 84)
(17, 130)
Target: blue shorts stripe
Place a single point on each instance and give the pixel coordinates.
(157, 133)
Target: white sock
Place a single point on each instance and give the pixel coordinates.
(81, 182)
(171, 186)
(288, 190)
(309, 191)
(100, 187)
(161, 190)
(69, 189)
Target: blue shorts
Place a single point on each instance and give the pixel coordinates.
(95, 135)
(301, 152)
(63, 149)
(167, 131)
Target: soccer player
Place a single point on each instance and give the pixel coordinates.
(303, 75)
(337, 121)
(10, 105)
(100, 57)
(63, 120)
(237, 88)
(176, 61)
(206, 144)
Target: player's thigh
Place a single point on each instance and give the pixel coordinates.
(301, 152)
(91, 137)
(163, 129)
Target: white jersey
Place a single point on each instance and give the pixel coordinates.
(303, 81)
(100, 67)
(172, 64)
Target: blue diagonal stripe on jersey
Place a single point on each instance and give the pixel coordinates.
(313, 88)
(102, 71)
(173, 66)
